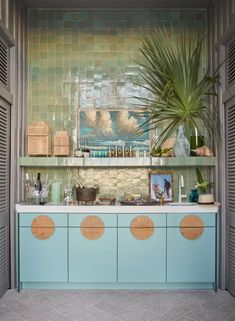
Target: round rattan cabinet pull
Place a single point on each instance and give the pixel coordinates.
(92, 227)
(142, 227)
(191, 227)
(43, 227)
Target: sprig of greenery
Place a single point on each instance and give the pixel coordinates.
(202, 184)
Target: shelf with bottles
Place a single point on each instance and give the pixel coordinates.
(116, 161)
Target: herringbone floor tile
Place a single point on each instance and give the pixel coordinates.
(116, 305)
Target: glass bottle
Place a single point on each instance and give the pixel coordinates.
(116, 152)
(78, 152)
(38, 189)
(130, 151)
(127, 152)
(119, 151)
(86, 150)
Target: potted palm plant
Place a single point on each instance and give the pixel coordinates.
(180, 93)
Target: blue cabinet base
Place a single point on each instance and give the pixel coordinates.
(129, 286)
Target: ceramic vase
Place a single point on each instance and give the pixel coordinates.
(193, 196)
(182, 146)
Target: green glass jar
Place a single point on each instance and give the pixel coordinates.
(195, 142)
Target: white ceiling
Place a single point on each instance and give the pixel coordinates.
(101, 4)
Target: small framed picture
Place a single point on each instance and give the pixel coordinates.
(161, 185)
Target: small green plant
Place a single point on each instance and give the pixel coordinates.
(202, 184)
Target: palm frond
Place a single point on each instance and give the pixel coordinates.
(171, 72)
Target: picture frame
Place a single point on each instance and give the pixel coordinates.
(161, 185)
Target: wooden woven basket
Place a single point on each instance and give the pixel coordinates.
(39, 139)
(61, 143)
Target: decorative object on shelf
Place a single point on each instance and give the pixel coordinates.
(61, 143)
(39, 139)
(179, 93)
(107, 200)
(68, 195)
(196, 141)
(191, 227)
(203, 151)
(35, 193)
(129, 199)
(160, 152)
(165, 150)
(161, 186)
(203, 186)
(84, 147)
(55, 192)
(182, 146)
(78, 153)
(193, 196)
(85, 194)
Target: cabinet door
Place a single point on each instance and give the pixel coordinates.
(190, 260)
(93, 251)
(142, 251)
(43, 259)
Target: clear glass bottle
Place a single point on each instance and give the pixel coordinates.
(38, 190)
(78, 152)
(86, 149)
(130, 151)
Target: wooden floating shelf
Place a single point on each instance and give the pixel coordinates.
(117, 162)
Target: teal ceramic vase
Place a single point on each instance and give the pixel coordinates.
(193, 196)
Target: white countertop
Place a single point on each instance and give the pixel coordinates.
(120, 209)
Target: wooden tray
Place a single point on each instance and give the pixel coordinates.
(140, 203)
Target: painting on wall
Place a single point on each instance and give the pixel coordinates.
(104, 129)
(161, 185)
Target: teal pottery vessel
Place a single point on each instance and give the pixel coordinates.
(193, 196)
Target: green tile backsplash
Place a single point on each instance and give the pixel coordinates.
(85, 59)
(117, 181)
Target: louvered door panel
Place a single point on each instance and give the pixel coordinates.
(4, 63)
(231, 63)
(231, 260)
(230, 122)
(4, 195)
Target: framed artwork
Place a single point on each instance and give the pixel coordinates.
(106, 128)
(161, 185)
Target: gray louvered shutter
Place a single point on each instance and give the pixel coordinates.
(4, 195)
(4, 63)
(230, 122)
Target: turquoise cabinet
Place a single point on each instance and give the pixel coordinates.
(191, 248)
(93, 248)
(83, 250)
(142, 248)
(43, 248)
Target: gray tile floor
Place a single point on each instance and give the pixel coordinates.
(116, 305)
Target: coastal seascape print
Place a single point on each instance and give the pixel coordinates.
(104, 129)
